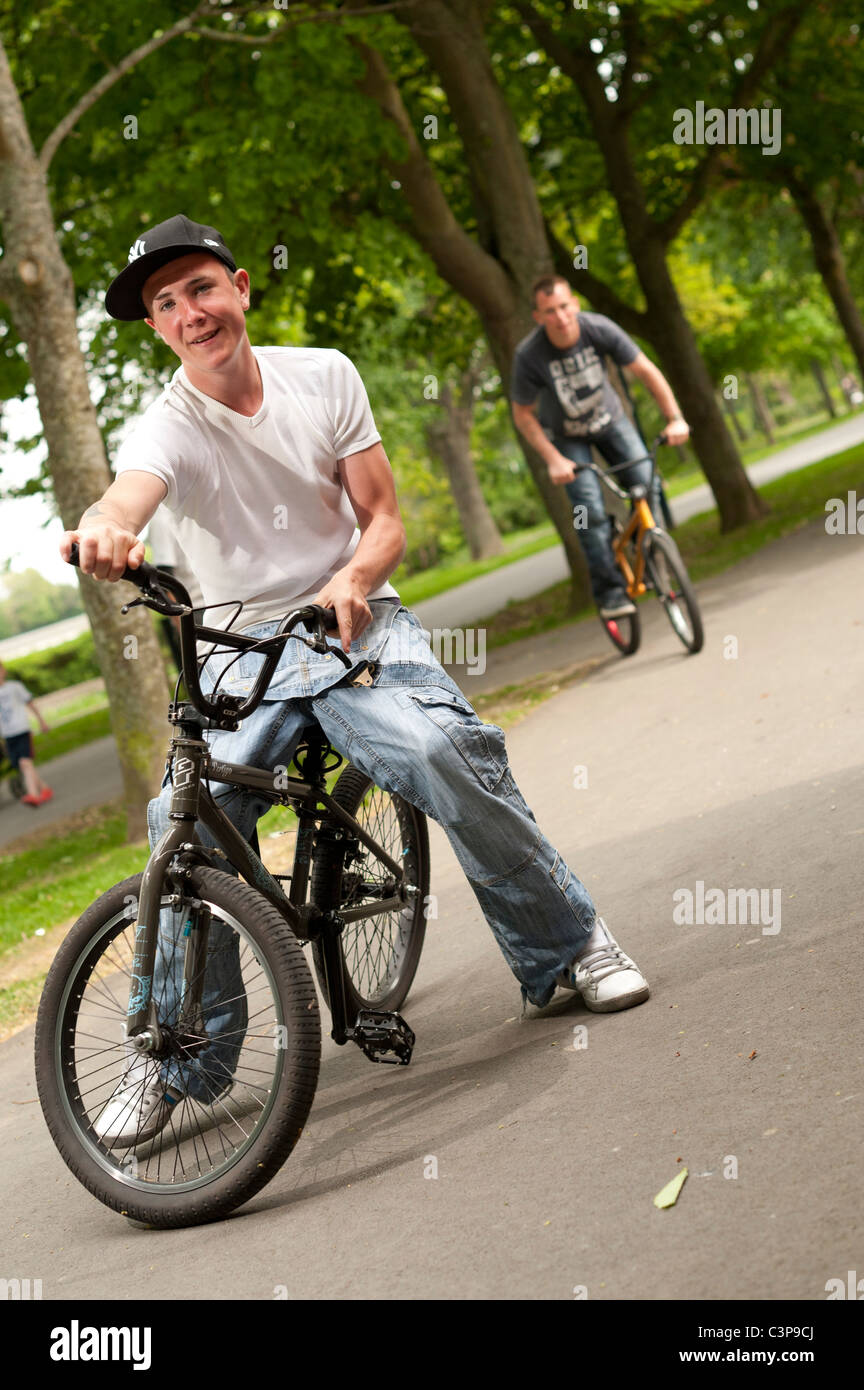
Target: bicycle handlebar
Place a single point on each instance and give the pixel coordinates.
(154, 583)
(604, 473)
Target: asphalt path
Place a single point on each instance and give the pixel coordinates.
(731, 770)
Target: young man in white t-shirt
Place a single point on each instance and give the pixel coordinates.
(278, 487)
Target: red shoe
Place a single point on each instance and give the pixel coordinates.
(46, 795)
(31, 800)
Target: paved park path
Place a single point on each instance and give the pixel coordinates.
(739, 771)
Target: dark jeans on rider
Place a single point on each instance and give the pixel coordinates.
(618, 444)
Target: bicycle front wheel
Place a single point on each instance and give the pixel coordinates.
(625, 633)
(380, 953)
(192, 1128)
(671, 581)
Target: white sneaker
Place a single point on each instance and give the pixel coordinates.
(603, 975)
(139, 1107)
(617, 607)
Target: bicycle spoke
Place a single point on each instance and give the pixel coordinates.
(209, 1124)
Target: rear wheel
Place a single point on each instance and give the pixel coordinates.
(671, 581)
(379, 954)
(242, 1076)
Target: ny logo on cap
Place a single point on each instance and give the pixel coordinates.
(136, 250)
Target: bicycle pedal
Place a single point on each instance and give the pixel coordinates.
(377, 1034)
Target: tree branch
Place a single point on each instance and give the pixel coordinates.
(774, 39)
(610, 126)
(459, 259)
(632, 35)
(323, 16)
(71, 119)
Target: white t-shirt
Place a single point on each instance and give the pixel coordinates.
(256, 502)
(14, 698)
(168, 555)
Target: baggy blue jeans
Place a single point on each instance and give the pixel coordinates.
(618, 444)
(413, 732)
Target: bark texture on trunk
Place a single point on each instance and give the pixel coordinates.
(36, 284)
(737, 500)
(831, 263)
(448, 436)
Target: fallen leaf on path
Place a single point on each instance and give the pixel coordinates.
(668, 1195)
(751, 1055)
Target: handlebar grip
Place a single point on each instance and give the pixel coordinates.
(144, 577)
(328, 619)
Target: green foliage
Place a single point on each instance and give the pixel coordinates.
(277, 147)
(58, 880)
(58, 667)
(74, 733)
(29, 600)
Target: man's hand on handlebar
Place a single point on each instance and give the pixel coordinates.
(677, 431)
(105, 548)
(562, 469)
(344, 594)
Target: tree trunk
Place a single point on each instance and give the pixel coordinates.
(732, 411)
(448, 435)
(761, 409)
(36, 284)
(737, 500)
(495, 277)
(819, 377)
(831, 264)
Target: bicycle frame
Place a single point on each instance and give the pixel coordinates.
(180, 849)
(640, 522)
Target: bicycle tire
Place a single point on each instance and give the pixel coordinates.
(70, 1086)
(625, 633)
(379, 956)
(678, 598)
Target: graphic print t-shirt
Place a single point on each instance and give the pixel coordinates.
(576, 397)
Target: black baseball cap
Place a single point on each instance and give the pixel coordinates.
(166, 242)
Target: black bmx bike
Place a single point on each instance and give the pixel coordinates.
(649, 560)
(182, 1001)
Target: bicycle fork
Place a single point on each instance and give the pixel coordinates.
(142, 1024)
